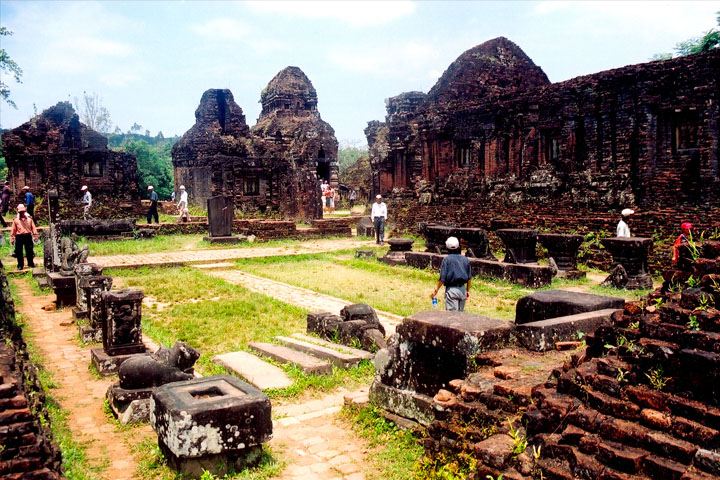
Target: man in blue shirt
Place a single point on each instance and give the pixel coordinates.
(455, 274)
(29, 201)
(153, 211)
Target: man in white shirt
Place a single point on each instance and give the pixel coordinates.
(87, 202)
(378, 216)
(622, 229)
(182, 205)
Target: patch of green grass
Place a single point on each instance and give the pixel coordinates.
(393, 452)
(350, 378)
(152, 465)
(400, 290)
(628, 295)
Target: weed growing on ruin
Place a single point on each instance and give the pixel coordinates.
(693, 323)
(621, 376)
(656, 378)
(520, 442)
(634, 325)
(693, 282)
(490, 477)
(704, 303)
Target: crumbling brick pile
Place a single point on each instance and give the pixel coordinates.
(55, 151)
(28, 450)
(642, 401)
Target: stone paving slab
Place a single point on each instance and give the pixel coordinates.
(255, 370)
(326, 343)
(332, 355)
(308, 364)
(301, 297)
(183, 257)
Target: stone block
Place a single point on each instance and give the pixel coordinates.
(495, 451)
(110, 364)
(260, 373)
(520, 244)
(333, 355)
(528, 275)
(218, 422)
(220, 216)
(547, 304)
(408, 404)
(562, 248)
(394, 258)
(365, 254)
(64, 288)
(632, 254)
(419, 259)
(308, 364)
(228, 240)
(122, 331)
(365, 227)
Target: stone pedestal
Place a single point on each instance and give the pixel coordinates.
(93, 286)
(216, 423)
(564, 250)
(475, 239)
(81, 271)
(632, 254)
(64, 288)
(122, 332)
(519, 245)
(396, 254)
(365, 227)
(560, 303)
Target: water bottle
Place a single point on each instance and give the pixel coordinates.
(434, 302)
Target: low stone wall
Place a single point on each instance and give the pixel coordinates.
(29, 450)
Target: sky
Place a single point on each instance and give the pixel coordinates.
(150, 61)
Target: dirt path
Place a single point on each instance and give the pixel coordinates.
(79, 393)
(183, 257)
(301, 297)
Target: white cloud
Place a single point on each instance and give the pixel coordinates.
(549, 6)
(354, 13)
(224, 30)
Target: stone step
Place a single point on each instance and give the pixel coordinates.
(308, 364)
(336, 357)
(363, 354)
(253, 369)
(541, 335)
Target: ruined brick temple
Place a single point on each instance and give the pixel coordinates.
(55, 151)
(275, 166)
(495, 139)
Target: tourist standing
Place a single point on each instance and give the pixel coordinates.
(87, 202)
(455, 274)
(5, 202)
(153, 211)
(22, 234)
(683, 239)
(29, 201)
(182, 206)
(623, 231)
(323, 195)
(378, 217)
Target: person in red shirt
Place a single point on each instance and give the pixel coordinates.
(22, 233)
(683, 239)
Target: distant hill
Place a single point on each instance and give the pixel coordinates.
(118, 140)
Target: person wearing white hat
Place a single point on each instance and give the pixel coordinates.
(22, 234)
(87, 202)
(456, 275)
(182, 205)
(622, 228)
(153, 211)
(378, 217)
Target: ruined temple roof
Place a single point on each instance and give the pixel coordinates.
(56, 129)
(495, 67)
(290, 89)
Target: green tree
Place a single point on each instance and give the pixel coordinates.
(704, 43)
(93, 113)
(3, 164)
(135, 128)
(154, 166)
(7, 66)
(348, 154)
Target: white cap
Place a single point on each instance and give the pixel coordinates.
(182, 187)
(26, 187)
(84, 187)
(150, 187)
(21, 208)
(627, 211)
(452, 243)
(378, 196)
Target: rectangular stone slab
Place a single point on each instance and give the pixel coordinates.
(541, 336)
(334, 356)
(526, 274)
(559, 303)
(253, 369)
(308, 364)
(342, 348)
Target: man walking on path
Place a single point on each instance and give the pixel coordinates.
(455, 274)
(5, 202)
(22, 234)
(29, 201)
(153, 211)
(87, 202)
(183, 205)
(378, 216)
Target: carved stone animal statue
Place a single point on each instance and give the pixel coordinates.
(164, 366)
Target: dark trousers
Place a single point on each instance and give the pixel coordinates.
(24, 239)
(379, 229)
(31, 210)
(153, 213)
(3, 212)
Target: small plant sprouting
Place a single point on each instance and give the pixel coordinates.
(692, 281)
(490, 477)
(659, 302)
(621, 375)
(693, 324)
(674, 286)
(656, 378)
(520, 442)
(704, 303)
(634, 325)
(536, 452)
